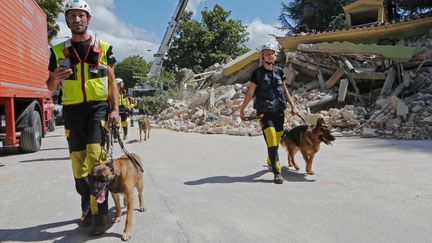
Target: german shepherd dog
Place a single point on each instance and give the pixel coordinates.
(120, 175)
(307, 139)
(144, 124)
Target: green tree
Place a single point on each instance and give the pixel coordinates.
(310, 15)
(397, 9)
(320, 15)
(52, 8)
(132, 70)
(198, 45)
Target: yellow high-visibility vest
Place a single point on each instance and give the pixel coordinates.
(124, 101)
(85, 88)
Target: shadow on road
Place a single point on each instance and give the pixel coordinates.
(231, 179)
(132, 141)
(47, 149)
(48, 232)
(287, 175)
(44, 159)
(290, 175)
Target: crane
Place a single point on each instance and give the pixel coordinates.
(156, 67)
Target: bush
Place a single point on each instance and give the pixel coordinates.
(153, 105)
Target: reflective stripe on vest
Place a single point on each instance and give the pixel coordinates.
(95, 89)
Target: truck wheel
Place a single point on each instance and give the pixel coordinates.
(51, 125)
(31, 137)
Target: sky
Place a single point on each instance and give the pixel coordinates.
(136, 27)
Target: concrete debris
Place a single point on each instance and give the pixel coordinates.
(397, 96)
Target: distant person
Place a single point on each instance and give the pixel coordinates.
(84, 67)
(124, 107)
(271, 95)
(132, 103)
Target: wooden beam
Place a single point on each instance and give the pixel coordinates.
(320, 79)
(388, 83)
(343, 88)
(347, 66)
(313, 67)
(369, 75)
(334, 78)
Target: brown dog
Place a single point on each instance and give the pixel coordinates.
(307, 140)
(120, 175)
(144, 124)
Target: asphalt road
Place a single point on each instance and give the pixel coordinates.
(215, 188)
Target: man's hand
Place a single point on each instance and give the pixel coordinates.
(61, 73)
(242, 114)
(114, 117)
(294, 112)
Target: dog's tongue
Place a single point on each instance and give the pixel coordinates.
(101, 197)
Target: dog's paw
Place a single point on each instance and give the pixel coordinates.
(297, 168)
(310, 172)
(142, 209)
(125, 236)
(117, 219)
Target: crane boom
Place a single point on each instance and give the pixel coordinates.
(156, 67)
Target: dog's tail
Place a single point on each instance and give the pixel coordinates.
(282, 139)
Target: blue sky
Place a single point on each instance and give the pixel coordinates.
(142, 13)
(136, 27)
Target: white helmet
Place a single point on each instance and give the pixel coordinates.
(77, 4)
(119, 81)
(268, 46)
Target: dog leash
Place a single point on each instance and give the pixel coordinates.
(250, 118)
(301, 117)
(115, 133)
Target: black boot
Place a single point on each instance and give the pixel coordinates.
(86, 219)
(125, 132)
(278, 179)
(100, 225)
(81, 186)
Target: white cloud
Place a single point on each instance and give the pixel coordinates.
(129, 40)
(260, 33)
(193, 5)
(125, 39)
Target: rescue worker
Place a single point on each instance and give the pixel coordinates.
(84, 67)
(133, 104)
(271, 95)
(124, 107)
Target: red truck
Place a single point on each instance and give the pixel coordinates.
(26, 106)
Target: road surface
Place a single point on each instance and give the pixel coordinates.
(215, 188)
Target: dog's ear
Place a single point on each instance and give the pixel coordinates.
(109, 163)
(320, 122)
(113, 174)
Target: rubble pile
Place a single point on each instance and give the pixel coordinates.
(424, 42)
(210, 111)
(380, 97)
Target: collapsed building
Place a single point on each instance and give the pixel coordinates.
(360, 86)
